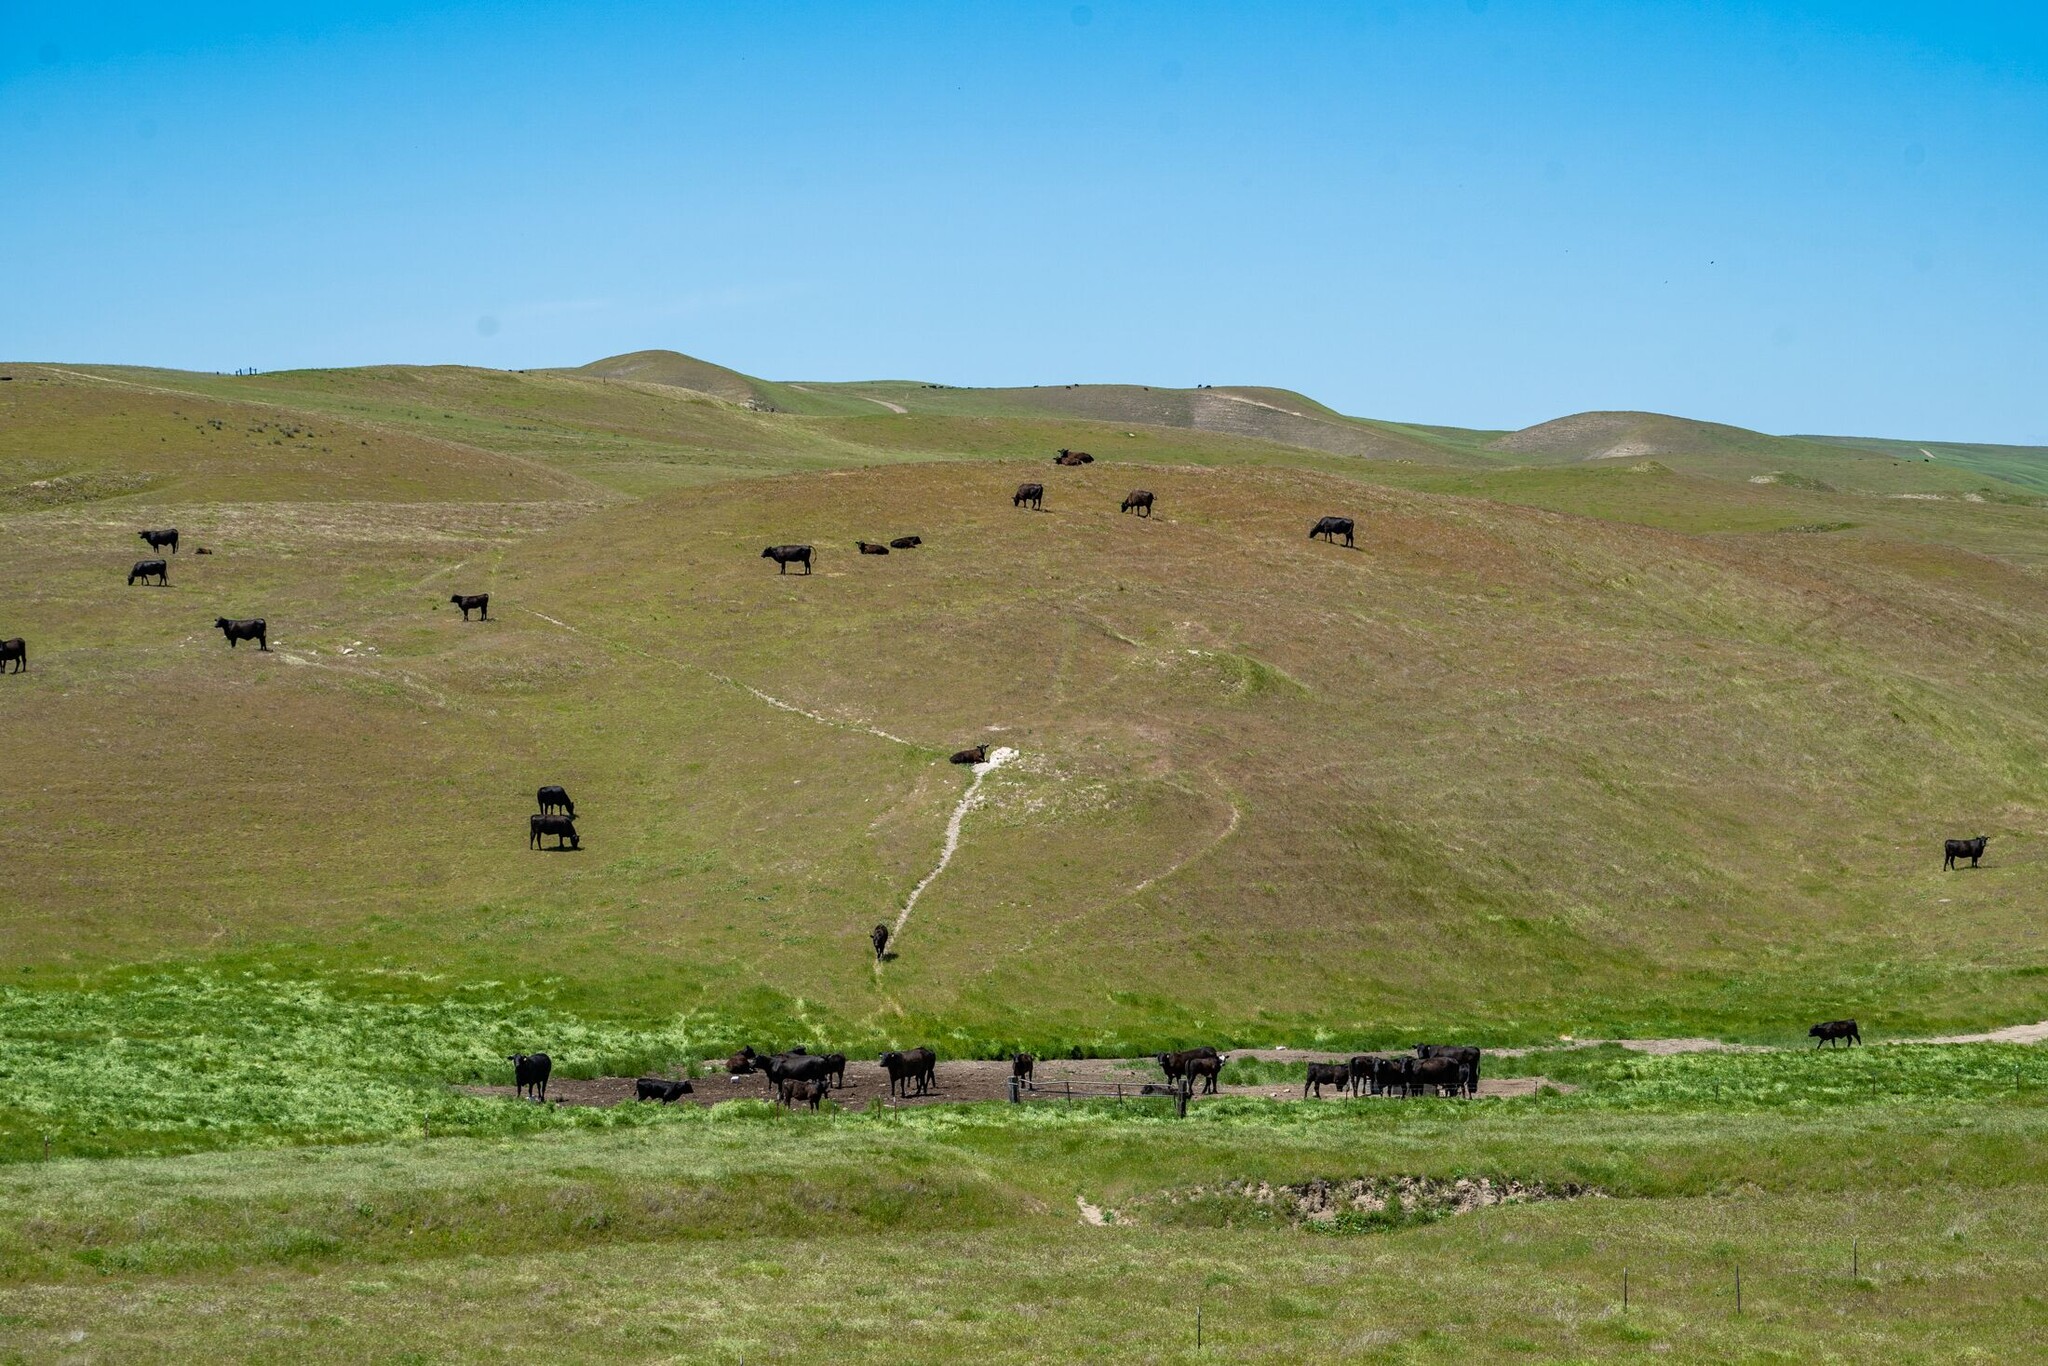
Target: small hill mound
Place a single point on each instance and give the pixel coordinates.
(678, 371)
(1624, 435)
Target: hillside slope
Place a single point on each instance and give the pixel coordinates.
(1495, 763)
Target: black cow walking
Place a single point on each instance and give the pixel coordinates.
(159, 539)
(1972, 850)
(1330, 528)
(1021, 1067)
(1828, 1031)
(13, 652)
(248, 628)
(530, 1072)
(1138, 501)
(480, 603)
(1029, 495)
(879, 937)
(563, 828)
(150, 569)
(787, 555)
(554, 798)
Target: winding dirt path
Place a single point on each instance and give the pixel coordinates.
(996, 759)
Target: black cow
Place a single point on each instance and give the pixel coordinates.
(1445, 1074)
(561, 827)
(741, 1064)
(1383, 1076)
(480, 603)
(159, 539)
(554, 798)
(976, 755)
(530, 1072)
(871, 548)
(1067, 457)
(1829, 1030)
(1139, 501)
(919, 1065)
(657, 1088)
(1180, 1064)
(1465, 1056)
(787, 555)
(248, 628)
(879, 937)
(150, 569)
(835, 1069)
(1321, 1074)
(796, 1065)
(1970, 849)
(13, 652)
(906, 542)
(1021, 1066)
(1330, 528)
(1205, 1068)
(1029, 495)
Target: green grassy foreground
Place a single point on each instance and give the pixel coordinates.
(957, 1228)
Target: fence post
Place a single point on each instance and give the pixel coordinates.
(1738, 1287)
(1855, 1261)
(1015, 1099)
(1198, 1327)
(1624, 1290)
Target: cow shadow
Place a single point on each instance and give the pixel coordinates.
(889, 956)
(561, 849)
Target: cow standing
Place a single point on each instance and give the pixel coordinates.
(563, 828)
(247, 628)
(1321, 1074)
(146, 570)
(879, 937)
(1959, 849)
(530, 1073)
(13, 652)
(916, 1065)
(159, 539)
(1029, 495)
(1330, 528)
(787, 555)
(1828, 1031)
(1138, 501)
(555, 798)
(1021, 1067)
(480, 603)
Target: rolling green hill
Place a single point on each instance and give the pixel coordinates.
(1624, 744)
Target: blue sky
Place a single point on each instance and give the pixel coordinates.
(1798, 217)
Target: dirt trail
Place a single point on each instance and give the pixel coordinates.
(996, 759)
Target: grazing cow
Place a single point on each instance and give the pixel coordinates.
(879, 937)
(872, 548)
(787, 555)
(1021, 1066)
(1205, 1069)
(741, 1064)
(1321, 1074)
(479, 603)
(906, 542)
(554, 798)
(805, 1092)
(1139, 501)
(150, 569)
(1830, 1030)
(248, 628)
(1330, 528)
(658, 1088)
(561, 827)
(977, 755)
(13, 652)
(1067, 457)
(1445, 1074)
(1969, 849)
(530, 1073)
(919, 1065)
(1465, 1056)
(159, 539)
(1029, 495)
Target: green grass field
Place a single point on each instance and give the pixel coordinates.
(1622, 726)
